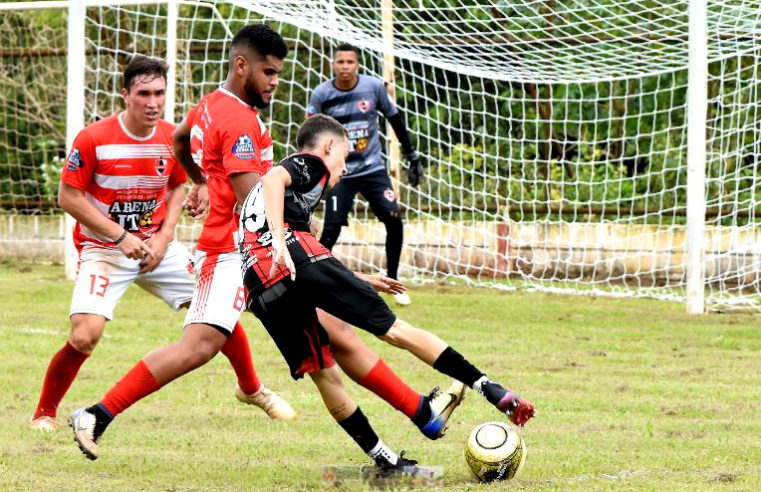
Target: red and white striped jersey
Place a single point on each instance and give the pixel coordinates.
(227, 137)
(125, 177)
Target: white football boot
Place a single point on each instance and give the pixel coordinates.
(275, 406)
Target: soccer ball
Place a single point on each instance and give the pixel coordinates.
(494, 451)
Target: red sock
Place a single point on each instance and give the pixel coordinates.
(237, 351)
(135, 385)
(62, 370)
(382, 381)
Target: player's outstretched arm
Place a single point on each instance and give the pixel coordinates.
(380, 283)
(73, 202)
(273, 190)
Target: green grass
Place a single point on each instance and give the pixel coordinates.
(632, 394)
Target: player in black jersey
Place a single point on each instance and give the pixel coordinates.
(289, 274)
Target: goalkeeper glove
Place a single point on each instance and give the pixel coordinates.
(415, 171)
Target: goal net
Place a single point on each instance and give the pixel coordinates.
(554, 132)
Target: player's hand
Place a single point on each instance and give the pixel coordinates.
(281, 257)
(197, 201)
(383, 284)
(133, 248)
(158, 244)
(415, 171)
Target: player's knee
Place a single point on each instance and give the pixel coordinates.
(342, 335)
(396, 335)
(197, 351)
(198, 355)
(86, 331)
(392, 220)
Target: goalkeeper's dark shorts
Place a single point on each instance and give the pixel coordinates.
(374, 187)
(288, 311)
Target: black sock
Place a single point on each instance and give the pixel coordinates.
(493, 392)
(454, 365)
(358, 427)
(423, 414)
(102, 419)
(394, 240)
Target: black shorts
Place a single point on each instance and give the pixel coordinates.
(375, 188)
(288, 311)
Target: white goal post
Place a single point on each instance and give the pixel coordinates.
(605, 148)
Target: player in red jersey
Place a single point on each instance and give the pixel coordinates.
(237, 149)
(124, 186)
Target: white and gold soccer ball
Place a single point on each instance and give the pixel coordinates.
(495, 451)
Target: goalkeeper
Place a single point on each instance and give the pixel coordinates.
(355, 100)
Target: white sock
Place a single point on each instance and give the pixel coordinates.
(381, 449)
(478, 383)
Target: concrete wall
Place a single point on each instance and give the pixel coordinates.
(646, 255)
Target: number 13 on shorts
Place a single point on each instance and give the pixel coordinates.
(98, 284)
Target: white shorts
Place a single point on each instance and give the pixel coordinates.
(219, 297)
(104, 275)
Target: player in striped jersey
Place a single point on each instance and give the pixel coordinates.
(124, 186)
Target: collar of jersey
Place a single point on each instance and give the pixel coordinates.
(132, 135)
(228, 93)
(311, 156)
(333, 83)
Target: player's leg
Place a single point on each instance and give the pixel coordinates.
(338, 204)
(435, 352)
(342, 294)
(198, 345)
(219, 300)
(174, 282)
(429, 413)
(377, 190)
(102, 278)
(351, 419)
(291, 321)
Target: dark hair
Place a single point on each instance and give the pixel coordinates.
(348, 47)
(261, 39)
(315, 126)
(143, 65)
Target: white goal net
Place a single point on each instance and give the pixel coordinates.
(554, 132)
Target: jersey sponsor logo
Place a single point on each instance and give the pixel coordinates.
(160, 166)
(359, 138)
(244, 148)
(74, 162)
(266, 239)
(364, 105)
(133, 215)
(389, 194)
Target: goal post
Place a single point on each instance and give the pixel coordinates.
(697, 109)
(75, 105)
(608, 148)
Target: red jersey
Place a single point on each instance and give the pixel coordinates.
(125, 177)
(228, 137)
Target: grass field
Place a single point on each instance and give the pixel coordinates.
(632, 395)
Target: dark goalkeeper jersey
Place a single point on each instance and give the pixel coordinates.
(357, 110)
(309, 180)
